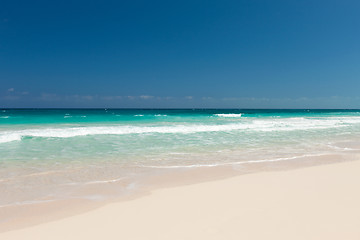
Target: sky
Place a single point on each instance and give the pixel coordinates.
(180, 54)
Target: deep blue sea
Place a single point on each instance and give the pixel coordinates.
(48, 154)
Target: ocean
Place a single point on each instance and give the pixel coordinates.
(52, 154)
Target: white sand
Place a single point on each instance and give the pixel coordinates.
(320, 202)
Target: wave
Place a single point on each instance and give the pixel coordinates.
(9, 137)
(229, 115)
(112, 130)
(268, 125)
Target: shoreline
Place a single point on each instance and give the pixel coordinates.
(205, 183)
(26, 215)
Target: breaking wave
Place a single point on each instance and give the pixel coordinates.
(228, 115)
(264, 125)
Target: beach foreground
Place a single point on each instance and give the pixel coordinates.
(320, 202)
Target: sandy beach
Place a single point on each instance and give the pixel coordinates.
(179, 120)
(320, 202)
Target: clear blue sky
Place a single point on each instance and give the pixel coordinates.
(241, 54)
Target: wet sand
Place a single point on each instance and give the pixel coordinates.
(319, 202)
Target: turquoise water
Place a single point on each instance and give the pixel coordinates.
(52, 153)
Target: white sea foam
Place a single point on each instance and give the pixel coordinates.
(95, 182)
(234, 163)
(265, 125)
(10, 137)
(4, 116)
(228, 115)
(26, 203)
(139, 115)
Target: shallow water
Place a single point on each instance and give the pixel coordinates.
(49, 154)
